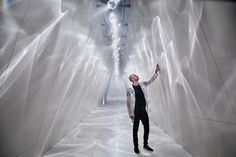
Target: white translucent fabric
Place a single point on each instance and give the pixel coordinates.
(194, 97)
(55, 67)
(52, 74)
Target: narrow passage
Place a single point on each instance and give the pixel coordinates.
(107, 132)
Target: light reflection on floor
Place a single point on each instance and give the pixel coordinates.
(107, 132)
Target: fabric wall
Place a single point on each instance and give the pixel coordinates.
(193, 99)
(50, 72)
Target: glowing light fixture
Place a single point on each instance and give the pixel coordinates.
(112, 4)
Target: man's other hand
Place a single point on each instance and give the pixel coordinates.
(131, 117)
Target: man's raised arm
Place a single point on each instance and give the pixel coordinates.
(154, 76)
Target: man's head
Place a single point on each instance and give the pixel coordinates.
(133, 78)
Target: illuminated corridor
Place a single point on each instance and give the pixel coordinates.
(65, 85)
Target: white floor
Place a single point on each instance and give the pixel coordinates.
(107, 132)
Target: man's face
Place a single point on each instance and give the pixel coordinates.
(134, 78)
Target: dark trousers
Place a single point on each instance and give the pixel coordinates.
(143, 116)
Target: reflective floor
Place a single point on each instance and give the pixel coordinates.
(107, 132)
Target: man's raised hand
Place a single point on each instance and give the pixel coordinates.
(157, 68)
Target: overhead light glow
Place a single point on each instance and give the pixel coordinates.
(112, 4)
(113, 18)
(115, 45)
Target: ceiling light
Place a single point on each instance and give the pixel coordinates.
(112, 4)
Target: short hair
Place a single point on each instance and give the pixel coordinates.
(130, 77)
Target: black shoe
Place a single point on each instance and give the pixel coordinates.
(136, 150)
(148, 148)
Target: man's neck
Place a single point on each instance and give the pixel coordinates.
(136, 83)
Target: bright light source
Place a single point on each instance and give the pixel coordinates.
(113, 18)
(112, 4)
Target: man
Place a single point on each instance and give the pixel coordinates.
(139, 112)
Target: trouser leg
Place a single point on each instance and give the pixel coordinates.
(145, 121)
(135, 130)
